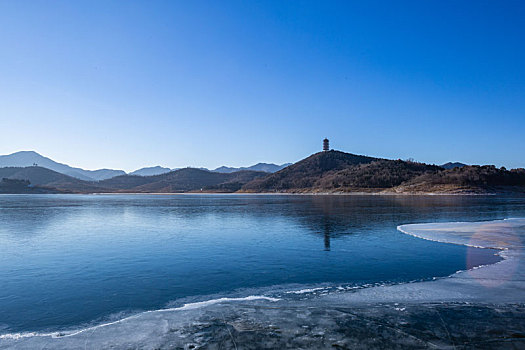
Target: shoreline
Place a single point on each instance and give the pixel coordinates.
(388, 194)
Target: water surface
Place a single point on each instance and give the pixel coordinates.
(69, 260)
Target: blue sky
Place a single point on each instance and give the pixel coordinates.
(126, 84)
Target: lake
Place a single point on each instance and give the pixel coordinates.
(72, 260)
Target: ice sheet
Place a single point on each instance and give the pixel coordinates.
(503, 282)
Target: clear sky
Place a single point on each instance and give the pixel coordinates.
(126, 84)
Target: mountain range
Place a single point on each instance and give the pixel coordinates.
(32, 158)
(323, 172)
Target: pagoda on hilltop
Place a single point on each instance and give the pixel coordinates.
(326, 145)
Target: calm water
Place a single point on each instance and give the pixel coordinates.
(68, 260)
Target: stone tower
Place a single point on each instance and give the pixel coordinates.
(326, 145)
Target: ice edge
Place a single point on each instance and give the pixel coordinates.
(502, 251)
(189, 306)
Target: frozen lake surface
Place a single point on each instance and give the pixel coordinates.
(274, 271)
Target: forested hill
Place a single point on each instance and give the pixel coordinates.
(339, 171)
(335, 171)
(306, 174)
(468, 179)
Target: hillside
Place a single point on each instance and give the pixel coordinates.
(22, 186)
(468, 179)
(334, 171)
(47, 178)
(182, 180)
(379, 174)
(190, 179)
(306, 174)
(125, 182)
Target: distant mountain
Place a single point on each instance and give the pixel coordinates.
(150, 171)
(452, 165)
(31, 158)
(102, 174)
(266, 167)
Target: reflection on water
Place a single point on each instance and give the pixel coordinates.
(70, 259)
(327, 235)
